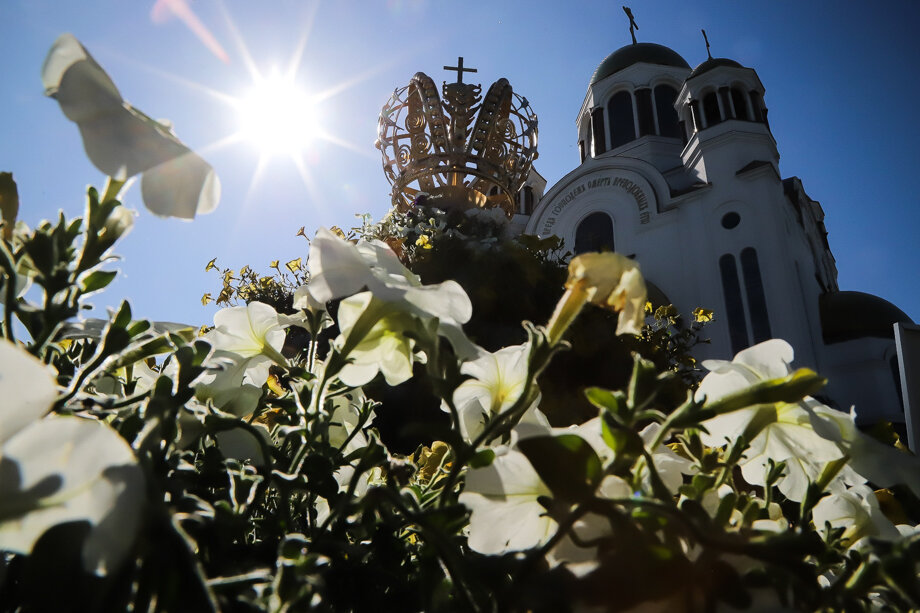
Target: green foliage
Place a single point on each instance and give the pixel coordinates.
(331, 496)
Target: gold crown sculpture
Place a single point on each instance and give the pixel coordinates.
(428, 146)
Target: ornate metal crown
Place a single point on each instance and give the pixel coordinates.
(428, 146)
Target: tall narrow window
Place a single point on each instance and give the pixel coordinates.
(695, 115)
(581, 150)
(644, 111)
(734, 307)
(528, 200)
(757, 104)
(597, 123)
(668, 124)
(622, 128)
(757, 302)
(594, 233)
(738, 99)
(711, 109)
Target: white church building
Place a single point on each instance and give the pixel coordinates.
(679, 170)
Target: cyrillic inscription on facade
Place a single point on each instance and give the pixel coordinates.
(629, 186)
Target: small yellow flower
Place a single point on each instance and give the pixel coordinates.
(648, 306)
(211, 264)
(294, 265)
(337, 231)
(702, 315)
(274, 264)
(206, 299)
(423, 241)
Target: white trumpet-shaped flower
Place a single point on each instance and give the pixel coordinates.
(339, 268)
(857, 511)
(246, 341)
(496, 384)
(783, 432)
(385, 348)
(61, 469)
(506, 511)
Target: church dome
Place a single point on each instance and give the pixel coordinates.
(649, 53)
(847, 316)
(711, 63)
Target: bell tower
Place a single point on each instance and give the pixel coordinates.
(722, 111)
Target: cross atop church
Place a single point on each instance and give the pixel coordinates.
(706, 38)
(633, 26)
(460, 69)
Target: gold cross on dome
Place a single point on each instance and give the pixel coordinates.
(460, 69)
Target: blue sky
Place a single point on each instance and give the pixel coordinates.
(839, 76)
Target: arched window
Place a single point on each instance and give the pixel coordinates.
(597, 123)
(668, 124)
(644, 111)
(711, 109)
(757, 302)
(740, 102)
(528, 200)
(734, 307)
(493, 191)
(594, 233)
(622, 128)
(581, 150)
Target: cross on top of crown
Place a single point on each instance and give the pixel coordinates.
(460, 69)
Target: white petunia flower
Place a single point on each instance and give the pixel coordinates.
(385, 348)
(506, 514)
(121, 141)
(339, 268)
(61, 469)
(246, 341)
(498, 380)
(784, 432)
(857, 511)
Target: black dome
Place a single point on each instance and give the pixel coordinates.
(649, 53)
(711, 63)
(850, 315)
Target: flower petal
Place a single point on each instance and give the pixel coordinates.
(27, 389)
(66, 469)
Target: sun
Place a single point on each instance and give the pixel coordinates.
(277, 115)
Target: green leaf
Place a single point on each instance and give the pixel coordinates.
(155, 346)
(610, 401)
(643, 384)
(566, 463)
(9, 203)
(97, 280)
(625, 442)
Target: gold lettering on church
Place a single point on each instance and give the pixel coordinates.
(628, 186)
